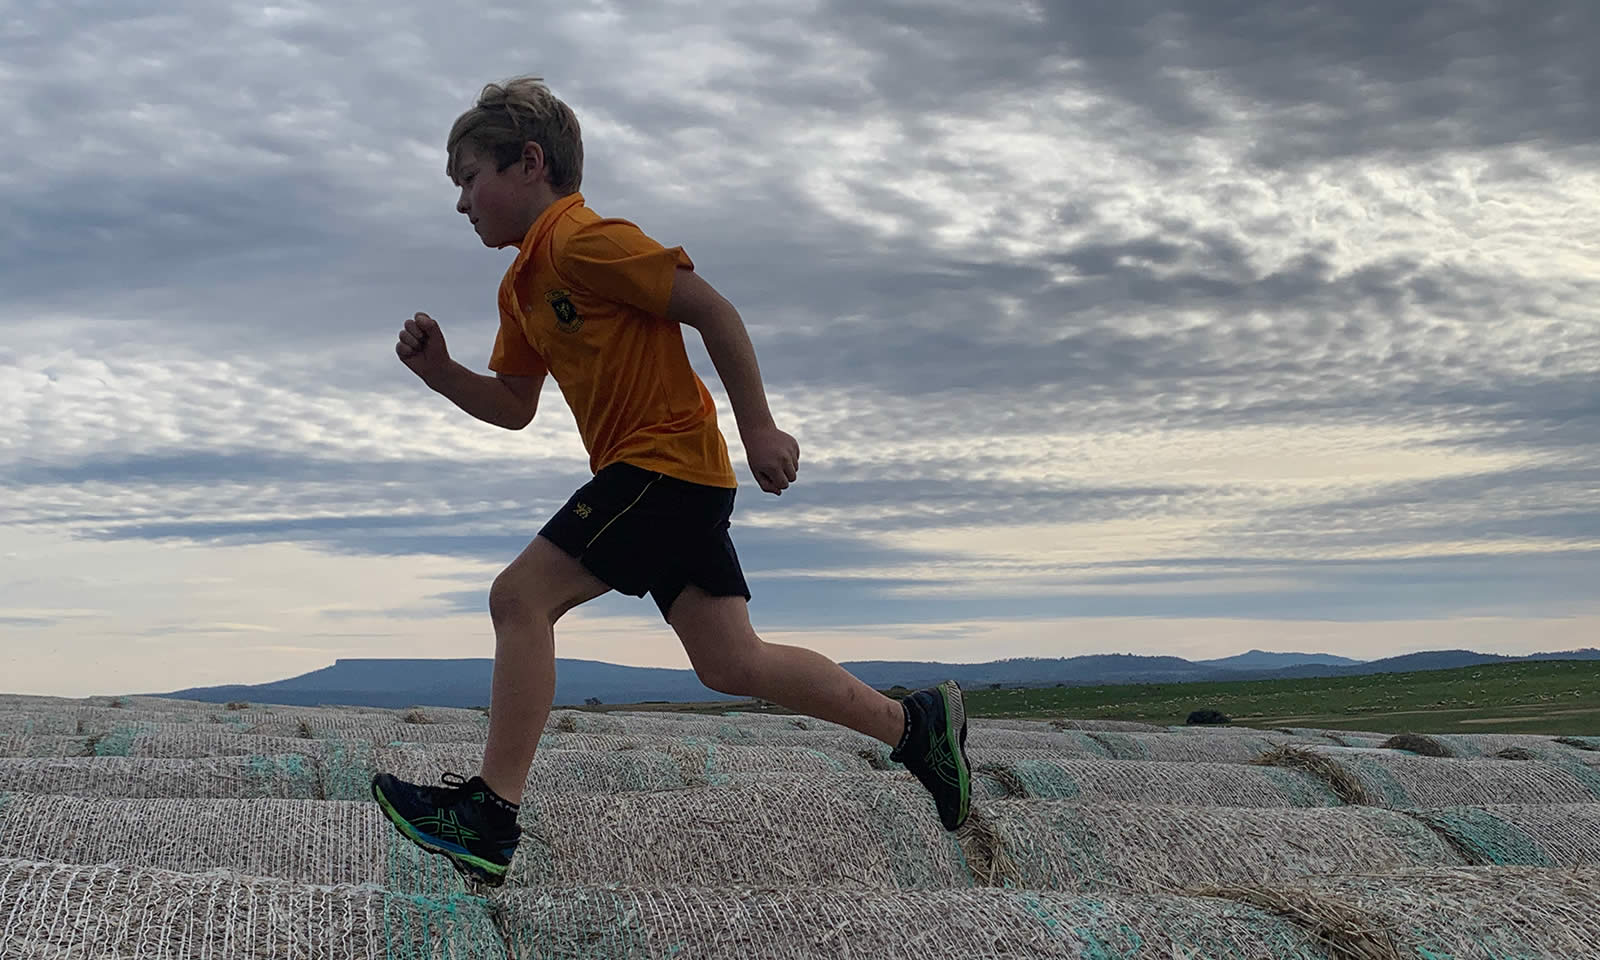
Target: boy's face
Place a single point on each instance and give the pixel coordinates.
(499, 203)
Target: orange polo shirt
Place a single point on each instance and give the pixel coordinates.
(586, 302)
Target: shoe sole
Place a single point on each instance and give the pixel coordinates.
(955, 717)
(469, 866)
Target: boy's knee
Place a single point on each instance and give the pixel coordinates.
(511, 601)
(733, 675)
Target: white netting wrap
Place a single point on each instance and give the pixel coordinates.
(632, 923)
(1042, 775)
(291, 775)
(763, 830)
(1055, 845)
(1464, 913)
(60, 910)
(304, 841)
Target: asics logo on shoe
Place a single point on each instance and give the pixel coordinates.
(446, 826)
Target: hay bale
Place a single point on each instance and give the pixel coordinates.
(1398, 780)
(1530, 835)
(306, 841)
(64, 910)
(1047, 777)
(1064, 743)
(1464, 913)
(584, 721)
(1114, 726)
(709, 762)
(1419, 744)
(773, 830)
(32, 745)
(1200, 747)
(1516, 753)
(210, 741)
(1059, 845)
(398, 732)
(1591, 744)
(843, 746)
(640, 923)
(1313, 734)
(38, 723)
(290, 776)
(552, 771)
(1492, 744)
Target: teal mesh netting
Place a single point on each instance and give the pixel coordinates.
(1485, 839)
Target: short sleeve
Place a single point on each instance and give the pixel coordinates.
(615, 260)
(513, 355)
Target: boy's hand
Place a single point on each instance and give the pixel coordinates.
(774, 458)
(421, 347)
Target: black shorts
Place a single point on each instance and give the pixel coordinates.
(642, 532)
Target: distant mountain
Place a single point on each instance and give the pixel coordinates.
(1427, 660)
(457, 683)
(465, 683)
(1262, 660)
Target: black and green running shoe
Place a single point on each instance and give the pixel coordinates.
(460, 820)
(935, 749)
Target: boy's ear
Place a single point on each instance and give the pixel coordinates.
(533, 160)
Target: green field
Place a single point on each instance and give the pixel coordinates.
(1548, 697)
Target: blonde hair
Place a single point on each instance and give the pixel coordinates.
(510, 114)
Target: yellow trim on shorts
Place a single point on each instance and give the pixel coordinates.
(622, 511)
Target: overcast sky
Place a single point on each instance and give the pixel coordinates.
(1151, 327)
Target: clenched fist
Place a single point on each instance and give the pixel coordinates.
(421, 347)
(774, 458)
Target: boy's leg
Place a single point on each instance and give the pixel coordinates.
(730, 658)
(928, 729)
(525, 602)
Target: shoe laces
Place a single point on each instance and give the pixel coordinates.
(454, 786)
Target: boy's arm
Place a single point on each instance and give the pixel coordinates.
(503, 400)
(774, 455)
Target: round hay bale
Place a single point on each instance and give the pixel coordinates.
(132, 910)
(552, 771)
(31, 745)
(1186, 748)
(584, 721)
(307, 841)
(1419, 744)
(1114, 726)
(706, 762)
(1044, 776)
(1516, 753)
(38, 723)
(1058, 845)
(290, 776)
(1011, 723)
(818, 923)
(1465, 913)
(399, 732)
(209, 741)
(1529, 835)
(1389, 779)
(1063, 743)
(1492, 744)
(796, 830)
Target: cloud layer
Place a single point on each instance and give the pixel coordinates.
(1169, 312)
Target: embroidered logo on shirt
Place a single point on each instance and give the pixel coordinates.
(583, 510)
(567, 319)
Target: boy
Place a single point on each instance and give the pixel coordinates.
(600, 307)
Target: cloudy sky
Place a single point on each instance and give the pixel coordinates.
(1153, 327)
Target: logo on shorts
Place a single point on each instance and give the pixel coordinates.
(567, 319)
(582, 510)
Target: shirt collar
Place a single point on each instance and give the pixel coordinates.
(542, 226)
